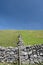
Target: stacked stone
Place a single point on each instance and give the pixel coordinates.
(35, 54)
(8, 54)
(20, 41)
(29, 54)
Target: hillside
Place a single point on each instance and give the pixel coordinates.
(30, 37)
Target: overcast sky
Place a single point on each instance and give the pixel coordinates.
(21, 14)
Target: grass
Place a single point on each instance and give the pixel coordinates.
(16, 64)
(30, 37)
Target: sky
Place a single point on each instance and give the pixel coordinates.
(21, 14)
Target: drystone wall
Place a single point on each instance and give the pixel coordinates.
(28, 54)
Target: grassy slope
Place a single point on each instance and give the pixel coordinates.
(9, 37)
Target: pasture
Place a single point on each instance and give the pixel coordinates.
(30, 37)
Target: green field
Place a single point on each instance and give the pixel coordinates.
(30, 37)
(17, 64)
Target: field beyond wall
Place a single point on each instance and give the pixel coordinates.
(30, 37)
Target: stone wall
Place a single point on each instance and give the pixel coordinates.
(28, 54)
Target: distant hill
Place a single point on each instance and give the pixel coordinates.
(30, 37)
